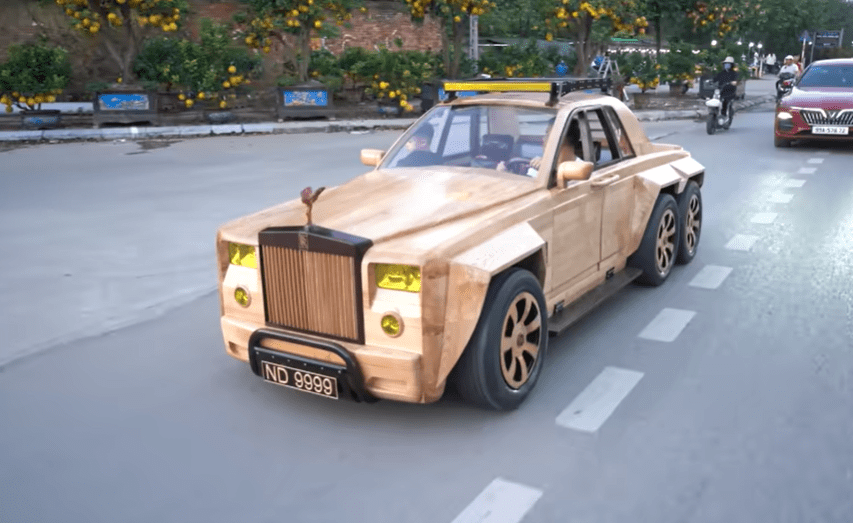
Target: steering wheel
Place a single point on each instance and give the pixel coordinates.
(518, 165)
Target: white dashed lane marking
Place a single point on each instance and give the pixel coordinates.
(501, 502)
(741, 242)
(807, 170)
(815, 160)
(599, 399)
(667, 325)
(764, 217)
(780, 197)
(710, 277)
(794, 183)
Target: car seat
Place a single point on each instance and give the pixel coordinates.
(494, 149)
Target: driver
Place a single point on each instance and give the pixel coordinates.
(727, 79)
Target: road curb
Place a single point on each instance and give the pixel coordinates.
(290, 127)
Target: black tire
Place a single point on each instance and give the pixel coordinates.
(656, 258)
(690, 216)
(711, 124)
(730, 117)
(479, 376)
(781, 142)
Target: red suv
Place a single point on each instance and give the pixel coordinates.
(820, 106)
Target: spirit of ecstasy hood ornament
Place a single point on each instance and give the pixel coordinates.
(308, 198)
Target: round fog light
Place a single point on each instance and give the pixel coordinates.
(242, 297)
(392, 324)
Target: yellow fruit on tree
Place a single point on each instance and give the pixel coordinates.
(200, 95)
(188, 102)
(222, 104)
(232, 69)
(226, 84)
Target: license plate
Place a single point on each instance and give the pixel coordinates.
(830, 130)
(305, 381)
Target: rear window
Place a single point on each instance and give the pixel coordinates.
(827, 76)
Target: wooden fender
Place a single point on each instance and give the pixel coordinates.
(468, 281)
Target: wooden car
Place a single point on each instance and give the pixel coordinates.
(494, 220)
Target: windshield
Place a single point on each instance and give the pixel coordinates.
(501, 138)
(827, 76)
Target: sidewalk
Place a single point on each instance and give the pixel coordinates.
(758, 91)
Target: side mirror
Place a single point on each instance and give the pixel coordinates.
(573, 170)
(372, 157)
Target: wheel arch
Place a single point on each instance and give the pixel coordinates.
(470, 275)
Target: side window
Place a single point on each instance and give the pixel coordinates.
(604, 149)
(570, 146)
(458, 135)
(619, 133)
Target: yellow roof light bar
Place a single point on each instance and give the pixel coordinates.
(556, 87)
(499, 86)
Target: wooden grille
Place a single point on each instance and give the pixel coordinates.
(311, 291)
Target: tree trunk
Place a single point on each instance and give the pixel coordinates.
(445, 48)
(457, 49)
(658, 36)
(304, 55)
(582, 46)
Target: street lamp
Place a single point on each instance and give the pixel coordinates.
(760, 61)
(739, 42)
(713, 43)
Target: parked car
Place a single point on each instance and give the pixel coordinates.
(819, 106)
(494, 220)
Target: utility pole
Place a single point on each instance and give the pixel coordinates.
(474, 38)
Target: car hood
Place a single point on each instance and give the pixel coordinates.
(820, 97)
(383, 205)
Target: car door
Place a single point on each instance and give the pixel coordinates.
(607, 146)
(576, 243)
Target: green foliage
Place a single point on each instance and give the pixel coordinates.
(640, 69)
(396, 76)
(274, 19)
(522, 60)
(679, 64)
(34, 73)
(212, 67)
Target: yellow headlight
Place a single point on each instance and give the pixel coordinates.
(243, 255)
(398, 277)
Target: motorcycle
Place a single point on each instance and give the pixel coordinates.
(784, 85)
(716, 120)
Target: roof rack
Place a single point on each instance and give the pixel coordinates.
(556, 87)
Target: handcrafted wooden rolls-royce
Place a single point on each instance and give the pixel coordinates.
(495, 219)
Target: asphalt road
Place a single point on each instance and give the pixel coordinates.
(746, 415)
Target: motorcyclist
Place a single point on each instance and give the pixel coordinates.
(727, 80)
(790, 66)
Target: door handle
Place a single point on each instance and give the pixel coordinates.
(604, 181)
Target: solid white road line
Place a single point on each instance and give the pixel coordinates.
(794, 183)
(501, 502)
(741, 242)
(667, 325)
(807, 170)
(710, 277)
(815, 160)
(599, 399)
(764, 217)
(780, 197)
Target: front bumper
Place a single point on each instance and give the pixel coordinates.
(366, 372)
(797, 128)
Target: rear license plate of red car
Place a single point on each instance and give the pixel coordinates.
(326, 386)
(824, 129)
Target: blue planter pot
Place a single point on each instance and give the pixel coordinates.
(47, 119)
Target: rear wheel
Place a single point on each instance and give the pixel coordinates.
(690, 214)
(660, 243)
(503, 359)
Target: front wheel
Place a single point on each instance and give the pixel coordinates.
(504, 357)
(711, 124)
(660, 243)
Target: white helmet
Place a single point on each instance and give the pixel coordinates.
(729, 60)
(789, 57)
